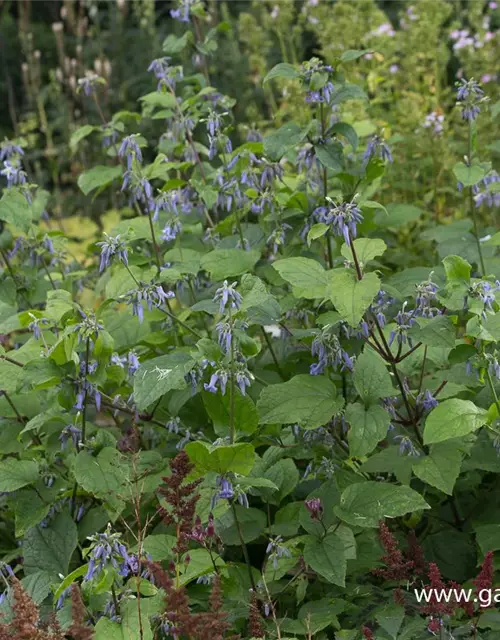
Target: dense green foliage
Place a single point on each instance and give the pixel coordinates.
(248, 364)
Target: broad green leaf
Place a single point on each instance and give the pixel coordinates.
(159, 546)
(307, 277)
(160, 99)
(278, 142)
(15, 210)
(316, 231)
(371, 378)
(398, 215)
(98, 176)
(366, 249)
(282, 70)
(326, 557)
(251, 521)
(80, 133)
(351, 296)
(434, 332)
(389, 460)
(174, 44)
(200, 564)
(470, 175)
(353, 54)
(348, 132)
(390, 618)
(246, 419)
(10, 376)
(309, 401)
(441, 467)
(364, 504)
(29, 510)
(367, 427)
(330, 155)
(103, 475)
(157, 376)
(15, 474)
(237, 458)
(452, 419)
(348, 92)
(457, 269)
(50, 548)
(228, 263)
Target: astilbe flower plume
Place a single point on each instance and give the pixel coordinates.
(484, 579)
(397, 566)
(256, 627)
(181, 498)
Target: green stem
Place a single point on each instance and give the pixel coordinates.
(493, 391)
(231, 385)
(472, 208)
(243, 547)
(273, 354)
(85, 397)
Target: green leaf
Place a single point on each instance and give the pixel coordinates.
(353, 54)
(457, 269)
(399, 214)
(371, 378)
(309, 401)
(282, 70)
(331, 155)
(173, 44)
(434, 332)
(367, 427)
(246, 418)
(103, 475)
(307, 277)
(29, 510)
(348, 92)
(15, 474)
(50, 548)
(452, 419)
(469, 175)
(98, 176)
(389, 461)
(351, 296)
(348, 132)
(159, 546)
(251, 521)
(157, 376)
(364, 504)
(238, 458)
(278, 142)
(15, 210)
(160, 99)
(227, 263)
(326, 557)
(391, 618)
(316, 231)
(366, 249)
(441, 468)
(80, 133)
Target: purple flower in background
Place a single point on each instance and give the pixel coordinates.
(219, 377)
(427, 401)
(171, 230)
(315, 508)
(404, 321)
(327, 348)
(8, 149)
(377, 147)
(225, 335)
(130, 149)
(276, 550)
(469, 97)
(182, 12)
(111, 247)
(107, 551)
(89, 83)
(14, 173)
(425, 298)
(343, 219)
(434, 121)
(132, 362)
(406, 446)
(165, 74)
(227, 294)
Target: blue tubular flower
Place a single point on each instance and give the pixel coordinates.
(326, 347)
(427, 401)
(165, 74)
(130, 149)
(171, 230)
(107, 551)
(493, 365)
(133, 362)
(8, 149)
(425, 297)
(219, 377)
(225, 336)
(278, 237)
(490, 198)
(110, 248)
(89, 83)
(404, 320)
(13, 172)
(153, 295)
(276, 550)
(73, 432)
(469, 97)
(377, 147)
(343, 219)
(227, 294)
(406, 446)
(226, 491)
(485, 292)
(182, 12)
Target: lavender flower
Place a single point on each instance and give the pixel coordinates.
(112, 247)
(327, 348)
(165, 74)
(406, 446)
(493, 365)
(227, 294)
(377, 147)
(469, 97)
(225, 335)
(133, 362)
(152, 295)
(485, 292)
(425, 297)
(343, 219)
(130, 149)
(14, 173)
(182, 12)
(434, 121)
(9, 149)
(315, 508)
(107, 551)
(276, 550)
(171, 230)
(278, 237)
(427, 401)
(219, 377)
(89, 83)
(404, 320)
